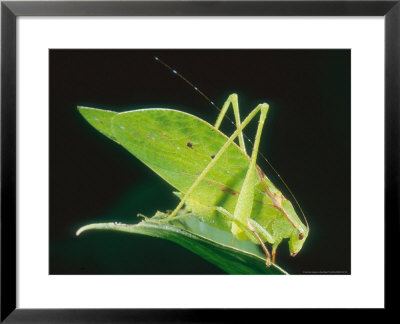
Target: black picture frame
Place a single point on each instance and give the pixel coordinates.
(10, 10)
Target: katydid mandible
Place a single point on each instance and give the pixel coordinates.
(217, 181)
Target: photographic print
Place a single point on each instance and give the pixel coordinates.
(200, 161)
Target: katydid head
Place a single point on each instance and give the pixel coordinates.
(297, 240)
(299, 232)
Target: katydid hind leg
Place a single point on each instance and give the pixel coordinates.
(245, 200)
(232, 99)
(244, 204)
(253, 113)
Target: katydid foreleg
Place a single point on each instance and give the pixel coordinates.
(268, 255)
(274, 247)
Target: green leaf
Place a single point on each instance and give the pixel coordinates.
(232, 260)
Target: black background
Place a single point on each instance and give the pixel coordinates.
(306, 137)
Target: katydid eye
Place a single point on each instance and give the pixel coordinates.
(301, 236)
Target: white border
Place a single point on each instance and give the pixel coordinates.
(363, 288)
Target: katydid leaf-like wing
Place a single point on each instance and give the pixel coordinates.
(99, 119)
(178, 147)
(178, 155)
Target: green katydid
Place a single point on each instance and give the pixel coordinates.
(216, 180)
